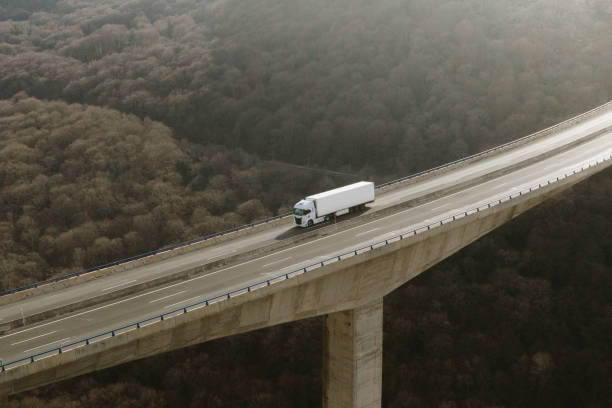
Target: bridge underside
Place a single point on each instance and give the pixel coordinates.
(349, 292)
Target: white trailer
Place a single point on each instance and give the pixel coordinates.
(329, 204)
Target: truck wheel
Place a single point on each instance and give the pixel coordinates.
(310, 223)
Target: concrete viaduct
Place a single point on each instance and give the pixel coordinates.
(270, 273)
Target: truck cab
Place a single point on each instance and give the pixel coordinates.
(305, 214)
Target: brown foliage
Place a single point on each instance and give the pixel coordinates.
(379, 89)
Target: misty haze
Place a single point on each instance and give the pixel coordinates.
(130, 125)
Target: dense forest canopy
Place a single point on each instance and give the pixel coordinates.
(381, 88)
(126, 125)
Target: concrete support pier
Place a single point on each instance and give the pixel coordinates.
(352, 357)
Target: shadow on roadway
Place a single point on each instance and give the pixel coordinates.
(298, 231)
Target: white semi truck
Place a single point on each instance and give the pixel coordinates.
(329, 204)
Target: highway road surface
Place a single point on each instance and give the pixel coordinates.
(513, 172)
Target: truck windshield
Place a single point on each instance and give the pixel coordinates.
(299, 211)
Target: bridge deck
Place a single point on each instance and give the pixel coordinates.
(478, 183)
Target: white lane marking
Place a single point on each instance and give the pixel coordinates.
(436, 208)
(367, 232)
(279, 261)
(120, 284)
(383, 237)
(169, 296)
(291, 267)
(92, 310)
(183, 301)
(34, 338)
(48, 344)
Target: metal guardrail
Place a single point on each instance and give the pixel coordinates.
(144, 255)
(503, 146)
(267, 220)
(337, 258)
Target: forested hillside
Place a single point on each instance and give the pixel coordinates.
(126, 125)
(81, 186)
(381, 88)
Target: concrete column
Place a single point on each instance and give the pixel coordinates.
(352, 357)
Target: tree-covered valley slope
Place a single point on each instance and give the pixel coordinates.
(126, 125)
